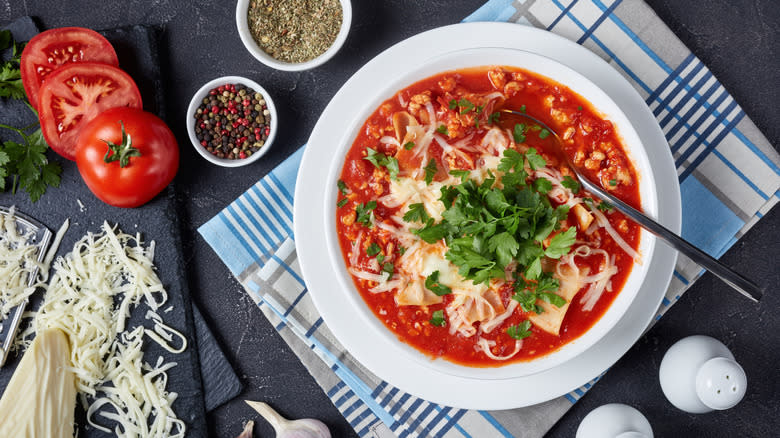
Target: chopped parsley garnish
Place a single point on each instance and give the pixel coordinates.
(379, 160)
(388, 267)
(453, 104)
(343, 187)
(462, 174)
(401, 250)
(365, 213)
(465, 106)
(380, 258)
(542, 185)
(520, 331)
(493, 118)
(486, 227)
(342, 203)
(442, 129)
(433, 285)
(416, 213)
(430, 171)
(571, 184)
(519, 132)
(409, 145)
(544, 133)
(522, 108)
(579, 108)
(605, 206)
(373, 249)
(437, 318)
(613, 182)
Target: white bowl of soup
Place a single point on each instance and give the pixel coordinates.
(456, 232)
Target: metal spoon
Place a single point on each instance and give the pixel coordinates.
(730, 277)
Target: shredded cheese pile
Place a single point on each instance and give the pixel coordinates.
(90, 297)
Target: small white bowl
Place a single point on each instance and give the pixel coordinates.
(197, 100)
(242, 7)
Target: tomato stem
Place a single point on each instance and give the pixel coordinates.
(121, 152)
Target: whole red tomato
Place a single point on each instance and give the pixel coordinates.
(126, 156)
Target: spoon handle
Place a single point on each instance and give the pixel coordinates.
(730, 277)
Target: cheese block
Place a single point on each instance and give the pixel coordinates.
(41, 397)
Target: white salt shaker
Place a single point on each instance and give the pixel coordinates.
(699, 374)
(614, 420)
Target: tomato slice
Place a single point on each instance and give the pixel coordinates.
(74, 94)
(50, 50)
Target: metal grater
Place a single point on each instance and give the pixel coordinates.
(43, 237)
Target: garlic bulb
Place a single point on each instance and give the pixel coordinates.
(303, 428)
(247, 432)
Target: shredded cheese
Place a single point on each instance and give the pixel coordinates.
(90, 297)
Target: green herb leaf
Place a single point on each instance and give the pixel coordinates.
(430, 171)
(388, 267)
(534, 160)
(579, 108)
(342, 187)
(465, 106)
(433, 285)
(380, 258)
(365, 213)
(493, 118)
(519, 132)
(605, 206)
(552, 298)
(561, 243)
(437, 318)
(542, 185)
(342, 203)
(462, 174)
(442, 129)
(571, 184)
(381, 160)
(520, 331)
(544, 133)
(416, 213)
(373, 249)
(453, 104)
(613, 182)
(409, 145)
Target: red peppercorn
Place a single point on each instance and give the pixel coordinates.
(233, 111)
(202, 125)
(221, 88)
(242, 155)
(204, 143)
(218, 124)
(214, 109)
(258, 132)
(267, 130)
(245, 102)
(213, 93)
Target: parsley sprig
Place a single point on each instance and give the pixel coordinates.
(380, 160)
(25, 163)
(487, 228)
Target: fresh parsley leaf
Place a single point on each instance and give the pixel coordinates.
(409, 145)
(437, 318)
(388, 267)
(342, 187)
(462, 174)
(493, 118)
(542, 185)
(544, 133)
(613, 182)
(520, 331)
(453, 104)
(465, 106)
(342, 203)
(432, 233)
(605, 206)
(433, 285)
(579, 108)
(505, 246)
(365, 213)
(522, 108)
(534, 160)
(381, 160)
(571, 184)
(430, 171)
(519, 132)
(416, 213)
(380, 258)
(442, 129)
(552, 298)
(373, 249)
(561, 243)
(511, 160)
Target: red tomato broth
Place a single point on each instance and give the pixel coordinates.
(411, 323)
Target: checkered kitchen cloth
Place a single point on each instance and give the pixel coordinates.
(729, 178)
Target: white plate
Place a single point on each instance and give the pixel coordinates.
(310, 230)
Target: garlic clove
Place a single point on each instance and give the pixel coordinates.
(247, 432)
(303, 428)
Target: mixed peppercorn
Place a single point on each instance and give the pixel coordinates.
(233, 121)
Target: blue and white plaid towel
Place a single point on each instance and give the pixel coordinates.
(729, 178)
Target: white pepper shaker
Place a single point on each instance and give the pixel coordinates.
(614, 420)
(698, 374)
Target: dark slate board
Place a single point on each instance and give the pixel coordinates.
(158, 220)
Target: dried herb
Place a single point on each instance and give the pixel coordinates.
(294, 30)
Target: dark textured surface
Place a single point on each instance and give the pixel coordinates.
(738, 40)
